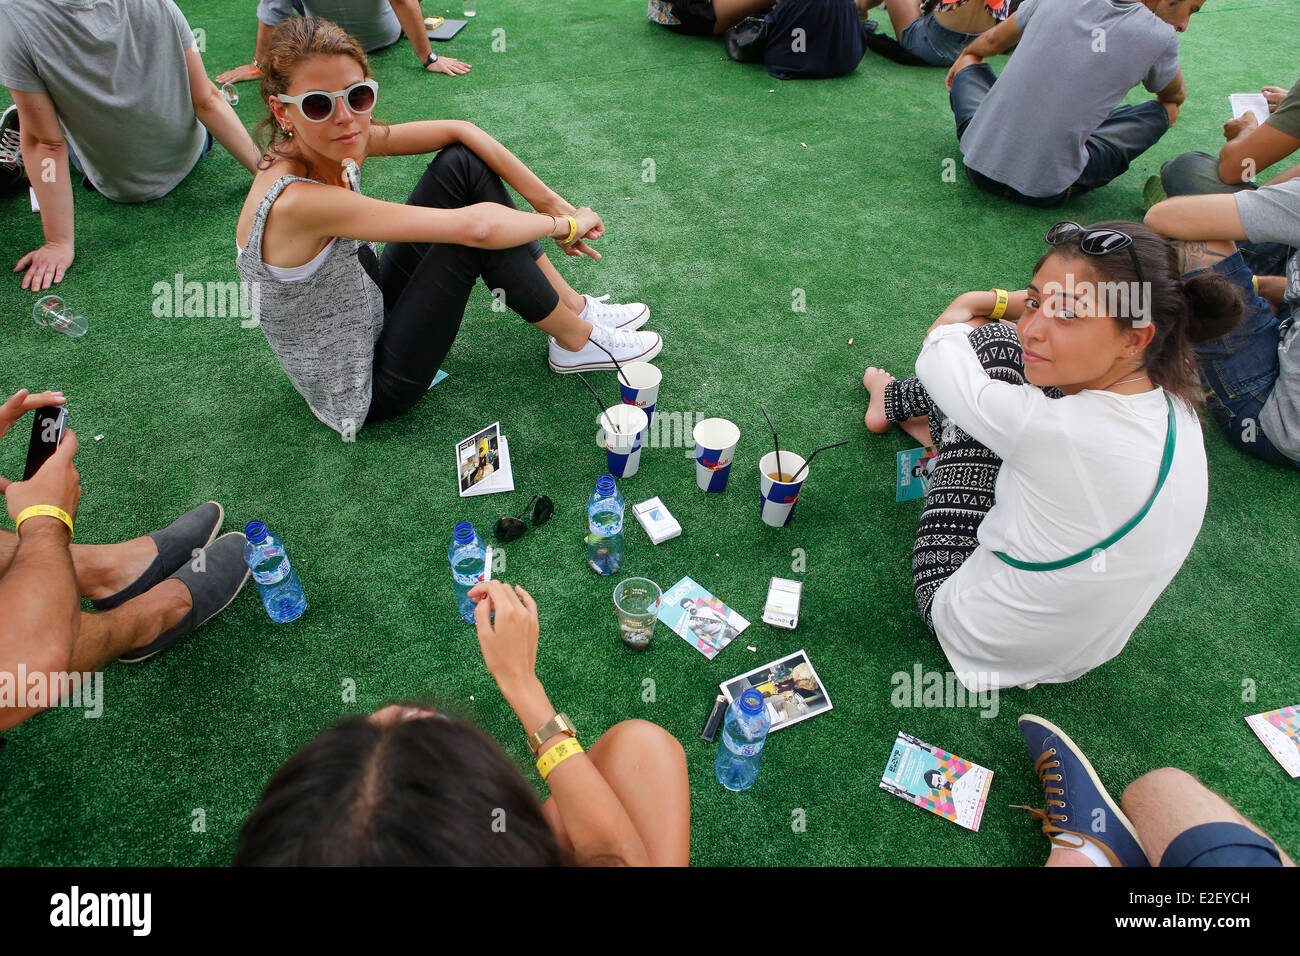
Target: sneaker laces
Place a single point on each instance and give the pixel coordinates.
(597, 309)
(11, 151)
(1050, 820)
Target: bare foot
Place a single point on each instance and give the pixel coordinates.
(918, 428)
(103, 570)
(875, 381)
(158, 610)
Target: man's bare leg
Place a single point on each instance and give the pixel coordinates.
(101, 569)
(1166, 802)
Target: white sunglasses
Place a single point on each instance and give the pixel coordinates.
(318, 106)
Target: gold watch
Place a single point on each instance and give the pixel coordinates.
(559, 724)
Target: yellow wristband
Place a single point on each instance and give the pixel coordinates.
(561, 752)
(573, 231)
(43, 511)
(1254, 281)
(1000, 308)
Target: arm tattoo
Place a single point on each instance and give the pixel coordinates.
(1195, 254)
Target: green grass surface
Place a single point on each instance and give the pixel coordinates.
(761, 187)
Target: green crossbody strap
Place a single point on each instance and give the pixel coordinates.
(1132, 523)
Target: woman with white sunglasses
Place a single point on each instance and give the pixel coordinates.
(360, 337)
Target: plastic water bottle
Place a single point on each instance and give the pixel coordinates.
(741, 752)
(605, 527)
(265, 555)
(468, 566)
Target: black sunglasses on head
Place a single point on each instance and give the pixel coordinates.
(1096, 242)
(512, 529)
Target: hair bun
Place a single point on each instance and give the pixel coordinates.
(1215, 305)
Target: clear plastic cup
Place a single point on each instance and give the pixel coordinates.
(469, 7)
(53, 312)
(637, 602)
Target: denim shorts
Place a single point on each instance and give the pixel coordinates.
(935, 44)
(1239, 369)
(1221, 844)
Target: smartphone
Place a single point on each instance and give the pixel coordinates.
(48, 425)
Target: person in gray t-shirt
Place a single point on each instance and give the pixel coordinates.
(133, 108)
(1049, 127)
(1253, 371)
(376, 24)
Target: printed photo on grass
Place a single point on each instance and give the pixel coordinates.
(790, 687)
(478, 457)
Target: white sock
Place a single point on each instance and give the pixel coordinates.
(1089, 849)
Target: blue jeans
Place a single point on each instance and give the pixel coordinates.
(1197, 174)
(1124, 135)
(932, 42)
(1239, 368)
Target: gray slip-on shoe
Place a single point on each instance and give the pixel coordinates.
(211, 590)
(176, 544)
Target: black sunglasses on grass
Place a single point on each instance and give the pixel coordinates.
(1096, 242)
(509, 529)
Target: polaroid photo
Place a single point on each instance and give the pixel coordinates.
(483, 463)
(790, 687)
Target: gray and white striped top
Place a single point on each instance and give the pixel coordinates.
(322, 329)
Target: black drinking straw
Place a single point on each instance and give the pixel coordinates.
(814, 455)
(779, 472)
(598, 402)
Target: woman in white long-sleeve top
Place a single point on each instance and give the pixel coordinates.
(1082, 422)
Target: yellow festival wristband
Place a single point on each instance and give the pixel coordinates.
(1000, 308)
(573, 231)
(557, 755)
(43, 511)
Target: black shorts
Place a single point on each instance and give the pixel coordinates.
(697, 16)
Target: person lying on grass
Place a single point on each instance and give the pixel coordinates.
(1051, 525)
(937, 31)
(409, 786)
(361, 338)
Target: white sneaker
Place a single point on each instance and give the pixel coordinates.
(603, 348)
(612, 315)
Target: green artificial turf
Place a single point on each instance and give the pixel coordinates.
(760, 188)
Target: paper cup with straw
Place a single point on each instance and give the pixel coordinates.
(777, 497)
(715, 446)
(623, 428)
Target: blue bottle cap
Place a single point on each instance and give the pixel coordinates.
(255, 532)
(605, 485)
(464, 532)
(751, 701)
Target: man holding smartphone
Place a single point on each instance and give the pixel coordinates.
(152, 590)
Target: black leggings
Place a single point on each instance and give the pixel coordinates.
(426, 285)
(964, 472)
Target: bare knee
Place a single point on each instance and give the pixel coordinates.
(645, 738)
(1157, 786)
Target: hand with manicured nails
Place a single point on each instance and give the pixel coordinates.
(56, 483)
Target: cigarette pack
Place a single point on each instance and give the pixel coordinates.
(658, 522)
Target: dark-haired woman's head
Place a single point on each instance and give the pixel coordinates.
(306, 55)
(1094, 320)
(403, 787)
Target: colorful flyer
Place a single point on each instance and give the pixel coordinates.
(702, 620)
(914, 466)
(937, 781)
(1280, 731)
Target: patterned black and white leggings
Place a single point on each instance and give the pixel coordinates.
(963, 471)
